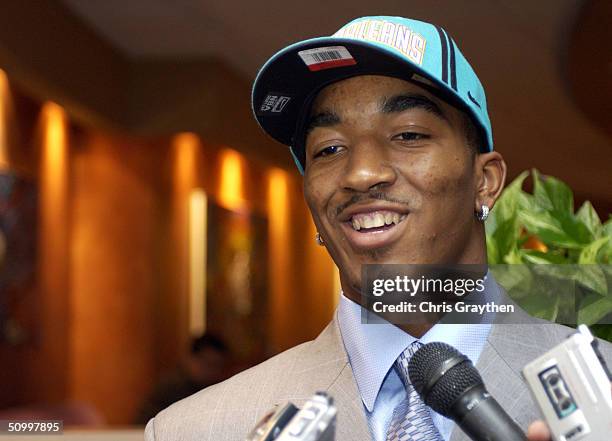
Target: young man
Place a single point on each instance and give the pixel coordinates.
(388, 124)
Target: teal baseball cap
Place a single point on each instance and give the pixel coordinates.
(416, 51)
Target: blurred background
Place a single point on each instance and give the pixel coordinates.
(141, 207)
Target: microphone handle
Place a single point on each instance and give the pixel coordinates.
(483, 419)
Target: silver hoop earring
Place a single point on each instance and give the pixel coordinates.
(483, 214)
(319, 240)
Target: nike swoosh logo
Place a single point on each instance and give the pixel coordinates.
(472, 99)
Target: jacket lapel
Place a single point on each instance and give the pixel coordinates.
(509, 347)
(351, 421)
(324, 366)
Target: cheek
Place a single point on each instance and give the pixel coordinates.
(442, 179)
(316, 194)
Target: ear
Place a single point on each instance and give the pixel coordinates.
(490, 178)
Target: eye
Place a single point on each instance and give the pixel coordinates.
(411, 136)
(328, 151)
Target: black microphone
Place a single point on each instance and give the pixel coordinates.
(448, 382)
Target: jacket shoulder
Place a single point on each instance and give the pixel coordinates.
(523, 342)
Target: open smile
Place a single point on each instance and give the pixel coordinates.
(373, 227)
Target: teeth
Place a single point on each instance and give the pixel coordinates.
(379, 220)
(367, 222)
(375, 220)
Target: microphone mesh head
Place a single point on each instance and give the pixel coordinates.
(427, 362)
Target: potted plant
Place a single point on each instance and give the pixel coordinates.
(536, 237)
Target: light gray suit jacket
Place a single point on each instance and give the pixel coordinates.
(229, 410)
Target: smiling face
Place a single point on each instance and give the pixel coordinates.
(390, 177)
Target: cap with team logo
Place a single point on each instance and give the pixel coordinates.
(392, 46)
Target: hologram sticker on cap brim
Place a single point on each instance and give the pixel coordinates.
(326, 58)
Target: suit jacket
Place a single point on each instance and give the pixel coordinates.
(229, 410)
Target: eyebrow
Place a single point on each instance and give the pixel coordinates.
(323, 119)
(403, 102)
(395, 104)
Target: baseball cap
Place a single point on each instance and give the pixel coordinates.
(413, 50)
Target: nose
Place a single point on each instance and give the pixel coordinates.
(368, 167)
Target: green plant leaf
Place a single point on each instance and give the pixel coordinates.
(513, 257)
(606, 252)
(546, 274)
(589, 218)
(592, 277)
(593, 309)
(602, 331)
(505, 238)
(493, 256)
(552, 194)
(541, 304)
(515, 279)
(575, 228)
(607, 227)
(502, 226)
(509, 202)
(590, 252)
(538, 257)
(561, 231)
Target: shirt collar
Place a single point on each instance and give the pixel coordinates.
(373, 348)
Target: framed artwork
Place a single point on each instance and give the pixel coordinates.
(18, 239)
(237, 280)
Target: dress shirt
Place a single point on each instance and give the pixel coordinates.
(373, 348)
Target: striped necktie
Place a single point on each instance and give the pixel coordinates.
(411, 419)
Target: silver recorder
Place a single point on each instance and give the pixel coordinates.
(571, 384)
(316, 421)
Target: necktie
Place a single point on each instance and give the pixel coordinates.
(411, 419)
